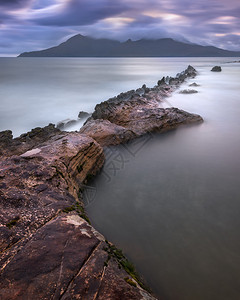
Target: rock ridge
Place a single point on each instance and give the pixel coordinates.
(135, 113)
(49, 250)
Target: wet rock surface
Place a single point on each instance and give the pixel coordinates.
(48, 248)
(216, 69)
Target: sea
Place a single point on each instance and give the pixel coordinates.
(170, 201)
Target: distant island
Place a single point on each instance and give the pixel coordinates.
(84, 46)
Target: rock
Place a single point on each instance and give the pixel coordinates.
(161, 82)
(141, 114)
(66, 124)
(66, 259)
(83, 115)
(48, 249)
(194, 84)
(188, 91)
(5, 140)
(216, 69)
(39, 182)
(33, 138)
(107, 133)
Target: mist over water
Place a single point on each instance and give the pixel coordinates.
(37, 91)
(170, 201)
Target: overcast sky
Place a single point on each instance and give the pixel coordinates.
(28, 25)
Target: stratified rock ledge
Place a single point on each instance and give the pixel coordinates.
(48, 248)
(135, 113)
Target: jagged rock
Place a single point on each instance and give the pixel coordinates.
(141, 114)
(162, 81)
(216, 69)
(188, 91)
(27, 140)
(48, 250)
(83, 115)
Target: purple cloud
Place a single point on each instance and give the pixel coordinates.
(36, 24)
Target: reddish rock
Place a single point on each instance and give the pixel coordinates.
(107, 133)
(136, 113)
(48, 250)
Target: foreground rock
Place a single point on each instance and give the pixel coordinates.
(48, 248)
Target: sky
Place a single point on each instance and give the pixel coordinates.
(27, 25)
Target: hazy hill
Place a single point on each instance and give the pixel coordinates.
(83, 46)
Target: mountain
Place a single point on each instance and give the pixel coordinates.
(83, 46)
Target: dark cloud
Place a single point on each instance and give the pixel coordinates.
(14, 3)
(36, 24)
(83, 12)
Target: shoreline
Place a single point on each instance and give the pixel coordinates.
(46, 241)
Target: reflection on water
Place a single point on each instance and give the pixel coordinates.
(173, 206)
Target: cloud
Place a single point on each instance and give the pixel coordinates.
(37, 24)
(82, 12)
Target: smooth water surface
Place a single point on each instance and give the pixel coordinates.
(172, 201)
(37, 91)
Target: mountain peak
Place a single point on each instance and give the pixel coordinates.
(84, 46)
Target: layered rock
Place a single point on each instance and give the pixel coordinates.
(48, 248)
(135, 113)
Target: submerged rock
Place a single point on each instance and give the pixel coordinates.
(65, 124)
(194, 84)
(83, 115)
(188, 91)
(216, 69)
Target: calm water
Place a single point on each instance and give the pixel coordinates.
(37, 91)
(171, 201)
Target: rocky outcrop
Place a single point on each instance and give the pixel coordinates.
(107, 133)
(135, 113)
(216, 69)
(48, 248)
(29, 140)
